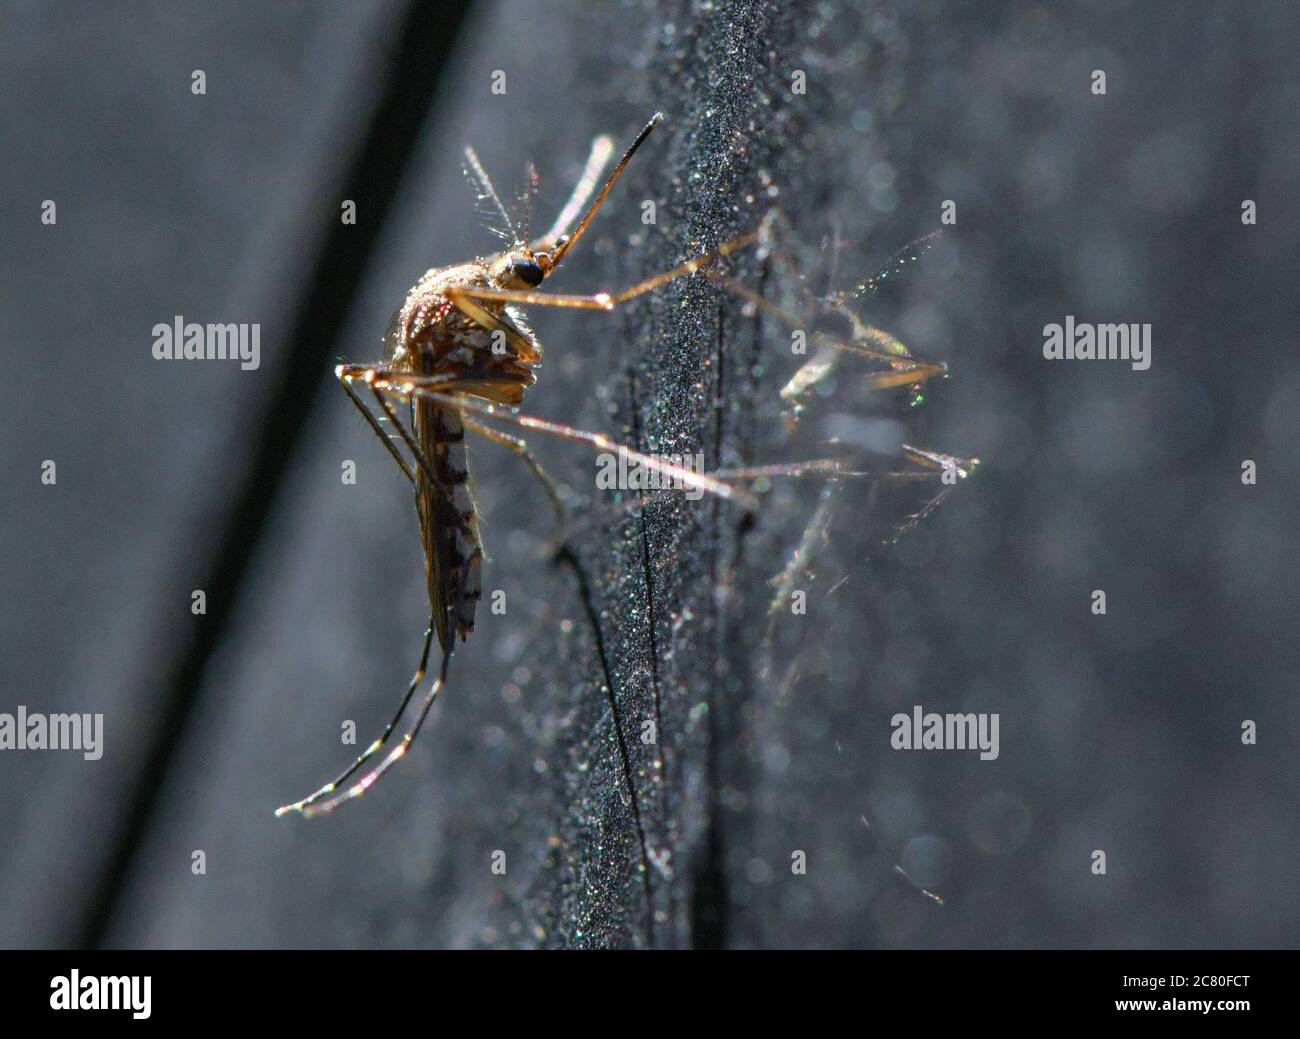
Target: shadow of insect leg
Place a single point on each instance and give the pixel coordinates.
(447, 396)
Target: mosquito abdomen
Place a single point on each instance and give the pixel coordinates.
(453, 550)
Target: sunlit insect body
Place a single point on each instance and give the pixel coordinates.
(458, 349)
(431, 338)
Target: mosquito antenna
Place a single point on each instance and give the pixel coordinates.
(565, 244)
(475, 171)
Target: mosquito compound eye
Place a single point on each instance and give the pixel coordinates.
(528, 272)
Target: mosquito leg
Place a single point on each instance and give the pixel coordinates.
(374, 424)
(963, 466)
(368, 375)
(718, 483)
(826, 468)
(833, 470)
(393, 756)
(420, 459)
(525, 349)
(305, 805)
(419, 386)
(520, 448)
(375, 377)
(953, 469)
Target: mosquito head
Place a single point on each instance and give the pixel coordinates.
(524, 267)
(520, 268)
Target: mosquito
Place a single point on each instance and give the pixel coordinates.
(458, 354)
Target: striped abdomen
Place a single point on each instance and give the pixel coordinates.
(453, 551)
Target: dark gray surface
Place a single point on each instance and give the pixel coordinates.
(168, 204)
(1118, 733)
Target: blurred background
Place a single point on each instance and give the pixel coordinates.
(1119, 733)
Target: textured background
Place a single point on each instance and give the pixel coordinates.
(1119, 733)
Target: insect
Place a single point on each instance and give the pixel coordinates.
(459, 354)
(458, 351)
